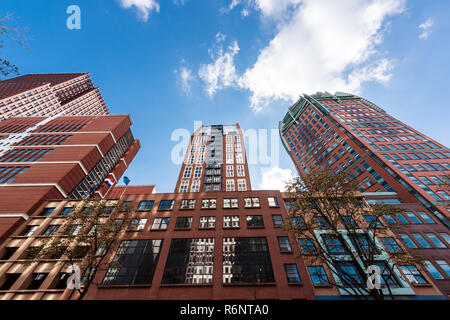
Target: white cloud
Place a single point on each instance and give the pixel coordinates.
(144, 7)
(221, 72)
(245, 12)
(185, 78)
(426, 29)
(320, 45)
(276, 179)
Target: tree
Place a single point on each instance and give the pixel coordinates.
(87, 233)
(17, 34)
(337, 228)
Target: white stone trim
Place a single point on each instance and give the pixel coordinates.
(14, 215)
(35, 185)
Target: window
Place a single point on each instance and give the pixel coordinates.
(432, 270)
(298, 222)
(255, 221)
(137, 224)
(445, 236)
(231, 221)
(421, 240)
(187, 204)
(349, 274)
(230, 203)
(292, 274)
(28, 231)
(251, 202)
(229, 158)
(9, 251)
(425, 217)
(183, 223)
(184, 186)
(322, 222)
(73, 230)
(126, 205)
(246, 260)
(407, 240)
(209, 204)
(146, 205)
(51, 229)
(444, 266)
(240, 172)
(134, 263)
(242, 185)
(318, 275)
(190, 261)
(373, 221)
(273, 202)
(334, 245)
(198, 172)
(363, 244)
(160, 224)
(307, 245)
(46, 212)
(391, 245)
(66, 211)
(402, 219)
(207, 222)
(195, 186)
(284, 244)
(387, 276)
(277, 220)
(412, 274)
(413, 217)
(389, 219)
(107, 210)
(436, 241)
(230, 185)
(239, 158)
(166, 205)
(229, 171)
(38, 279)
(349, 222)
(187, 172)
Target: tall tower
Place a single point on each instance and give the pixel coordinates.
(38, 95)
(393, 163)
(215, 161)
(62, 158)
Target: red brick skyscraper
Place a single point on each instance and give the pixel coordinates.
(65, 158)
(215, 161)
(393, 162)
(50, 94)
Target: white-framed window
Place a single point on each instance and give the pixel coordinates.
(187, 204)
(242, 185)
(200, 159)
(240, 172)
(230, 185)
(207, 222)
(238, 147)
(237, 138)
(229, 159)
(273, 201)
(216, 187)
(187, 172)
(137, 224)
(230, 203)
(252, 202)
(202, 149)
(195, 186)
(239, 158)
(217, 179)
(231, 221)
(229, 148)
(198, 172)
(190, 159)
(209, 203)
(230, 171)
(184, 186)
(192, 149)
(229, 138)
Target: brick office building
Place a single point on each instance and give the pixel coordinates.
(393, 163)
(46, 95)
(59, 158)
(183, 245)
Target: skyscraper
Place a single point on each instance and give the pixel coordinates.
(392, 162)
(59, 158)
(50, 94)
(215, 161)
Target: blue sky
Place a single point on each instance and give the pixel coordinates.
(168, 63)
